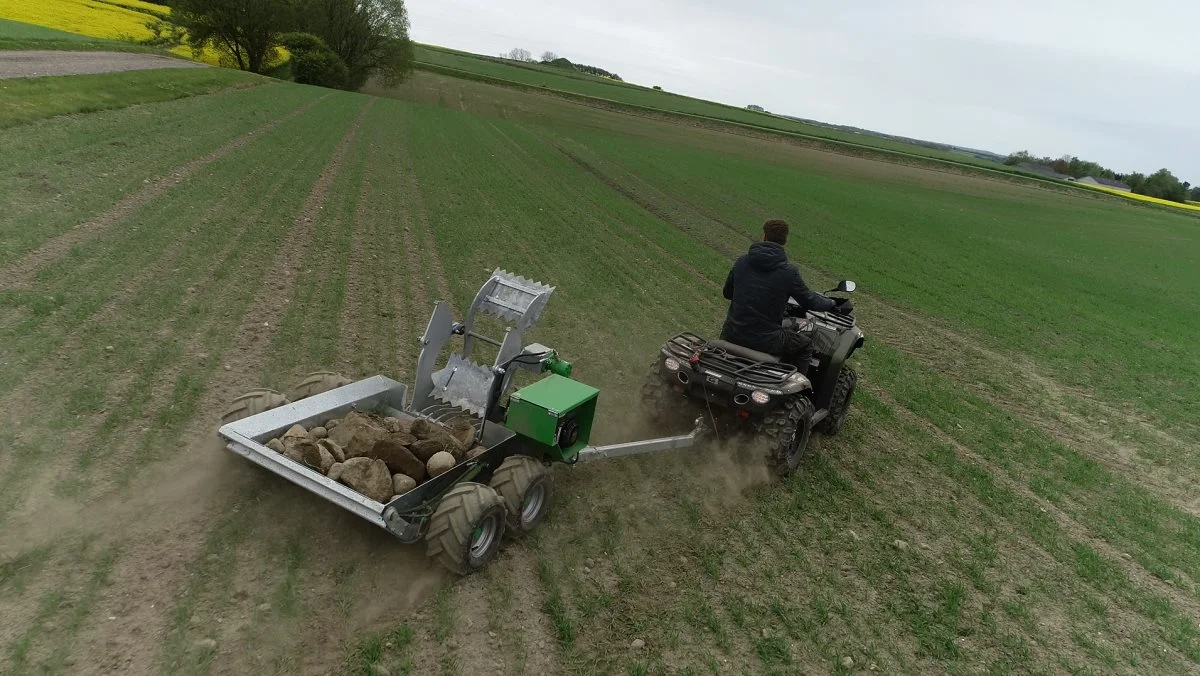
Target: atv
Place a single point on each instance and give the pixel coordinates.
(742, 390)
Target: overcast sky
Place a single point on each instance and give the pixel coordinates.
(1114, 82)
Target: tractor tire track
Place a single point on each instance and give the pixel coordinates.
(357, 348)
(428, 242)
(36, 491)
(73, 334)
(101, 434)
(22, 273)
(1185, 599)
(928, 345)
(201, 468)
(534, 649)
(718, 246)
(635, 233)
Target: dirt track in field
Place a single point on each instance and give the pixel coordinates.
(44, 63)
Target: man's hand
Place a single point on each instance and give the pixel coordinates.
(844, 306)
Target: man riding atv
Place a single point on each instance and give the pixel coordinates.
(758, 288)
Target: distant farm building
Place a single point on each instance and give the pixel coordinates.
(1042, 170)
(755, 108)
(1104, 183)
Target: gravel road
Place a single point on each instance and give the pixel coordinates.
(41, 63)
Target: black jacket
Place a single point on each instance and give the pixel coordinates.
(758, 287)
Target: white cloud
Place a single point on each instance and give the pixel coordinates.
(1107, 80)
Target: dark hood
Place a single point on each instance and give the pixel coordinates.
(767, 256)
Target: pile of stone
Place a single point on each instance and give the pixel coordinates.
(380, 457)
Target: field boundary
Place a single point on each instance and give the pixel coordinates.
(808, 140)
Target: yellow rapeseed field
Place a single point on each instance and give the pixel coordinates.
(142, 6)
(1191, 206)
(109, 19)
(85, 17)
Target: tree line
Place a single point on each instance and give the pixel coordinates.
(1161, 184)
(552, 59)
(333, 43)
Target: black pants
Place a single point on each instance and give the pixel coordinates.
(795, 348)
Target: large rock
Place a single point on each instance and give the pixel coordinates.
(296, 431)
(425, 448)
(336, 451)
(463, 432)
(399, 459)
(433, 432)
(302, 450)
(394, 424)
(335, 472)
(440, 463)
(357, 434)
(326, 458)
(419, 427)
(368, 476)
(402, 438)
(402, 483)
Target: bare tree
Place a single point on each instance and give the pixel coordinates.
(518, 54)
(547, 57)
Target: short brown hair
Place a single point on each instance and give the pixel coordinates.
(776, 231)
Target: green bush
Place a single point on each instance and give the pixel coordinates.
(313, 62)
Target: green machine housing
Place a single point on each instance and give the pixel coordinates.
(555, 412)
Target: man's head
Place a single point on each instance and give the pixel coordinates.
(776, 231)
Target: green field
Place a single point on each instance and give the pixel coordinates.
(24, 100)
(18, 35)
(1014, 491)
(560, 80)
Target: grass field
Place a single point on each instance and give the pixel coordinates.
(536, 75)
(27, 99)
(1015, 490)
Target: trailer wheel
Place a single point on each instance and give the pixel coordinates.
(839, 406)
(526, 485)
(252, 403)
(789, 429)
(316, 383)
(467, 528)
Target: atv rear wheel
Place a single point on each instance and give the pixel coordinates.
(788, 430)
(252, 403)
(316, 383)
(839, 406)
(526, 485)
(661, 402)
(467, 528)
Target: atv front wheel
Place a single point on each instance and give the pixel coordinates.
(467, 527)
(788, 430)
(839, 406)
(525, 484)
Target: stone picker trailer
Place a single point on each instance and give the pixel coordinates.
(497, 482)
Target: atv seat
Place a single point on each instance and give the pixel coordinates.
(744, 351)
